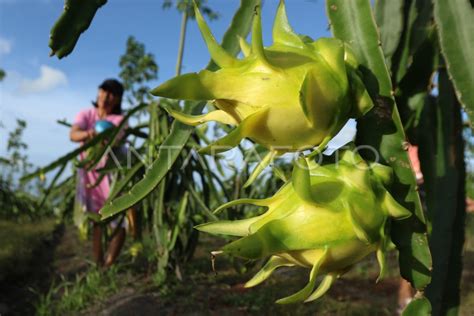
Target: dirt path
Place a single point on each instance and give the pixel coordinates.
(59, 256)
(201, 292)
(72, 255)
(204, 293)
(19, 288)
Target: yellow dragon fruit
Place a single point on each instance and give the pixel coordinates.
(326, 219)
(291, 96)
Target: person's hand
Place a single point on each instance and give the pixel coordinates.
(91, 133)
(77, 134)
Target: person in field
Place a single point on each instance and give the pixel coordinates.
(106, 112)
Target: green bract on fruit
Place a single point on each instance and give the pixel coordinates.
(326, 219)
(293, 95)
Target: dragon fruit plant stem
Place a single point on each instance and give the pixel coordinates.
(325, 219)
(291, 96)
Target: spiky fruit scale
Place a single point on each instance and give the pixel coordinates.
(293, 95)
(327, 218)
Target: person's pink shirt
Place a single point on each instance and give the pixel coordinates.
(92, 199)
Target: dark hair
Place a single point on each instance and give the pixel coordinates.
(116, 88)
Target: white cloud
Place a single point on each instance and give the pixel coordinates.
(49, 79)
(46, 140)
(5, 46)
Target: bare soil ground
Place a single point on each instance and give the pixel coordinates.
(26, 250)
(203, 292)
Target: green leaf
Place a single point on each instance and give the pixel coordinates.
(180, 221)
(418, 75)
(40, 172)
(417, 16)
(75, 19)
(52, 185)
(389, 18)
(442, 154)
(179, 135)
(418, 306)
(239, 27)
(167, 155)
(381, 128)
(416, 83)
(352, 22)
(202, 205)
(119, 185)
(456, 33)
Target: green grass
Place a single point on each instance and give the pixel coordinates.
(203, 291)
(73, 296)
(470, 186)
(222, 293)
(19, 241)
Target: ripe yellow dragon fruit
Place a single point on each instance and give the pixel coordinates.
(326, 218)
(291, 96)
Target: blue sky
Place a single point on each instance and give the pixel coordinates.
(42, 89)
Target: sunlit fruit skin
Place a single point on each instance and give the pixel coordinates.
(327, 218)
(293, 95)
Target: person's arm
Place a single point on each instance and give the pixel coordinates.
(78, 135)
